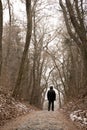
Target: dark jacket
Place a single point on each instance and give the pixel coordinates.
(51, 95)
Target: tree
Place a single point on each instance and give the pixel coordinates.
(10, 70)
(17, 90)
(10, 19)
(74, 16)
(40, 40)
(1, 30)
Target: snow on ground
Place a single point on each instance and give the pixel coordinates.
(79, 116)
(76, 110)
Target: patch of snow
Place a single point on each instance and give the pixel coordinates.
(21, 107)
(73, 117)
(79, 116)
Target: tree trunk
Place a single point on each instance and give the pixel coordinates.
(17, 90)
(9, 43)
(1, 30)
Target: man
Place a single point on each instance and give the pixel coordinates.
(51, 96)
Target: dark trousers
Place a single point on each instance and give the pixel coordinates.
(51, 105)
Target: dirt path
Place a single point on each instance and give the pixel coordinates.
(41, 120)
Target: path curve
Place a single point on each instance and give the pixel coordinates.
(41, 120)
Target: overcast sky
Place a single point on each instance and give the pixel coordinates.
(20, 11)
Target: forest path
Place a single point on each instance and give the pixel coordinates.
(40, 120)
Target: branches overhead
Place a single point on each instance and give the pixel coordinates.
(73, 16)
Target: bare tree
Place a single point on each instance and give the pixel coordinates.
(10, 70)
(9, 43)
(17, 90)
(1, 30)
(74, 16)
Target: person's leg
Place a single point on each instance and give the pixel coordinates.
(49, 104)
(52, 105)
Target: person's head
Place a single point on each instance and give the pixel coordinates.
(51, 87)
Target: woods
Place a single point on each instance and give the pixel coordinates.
(75, 20)
(38, 52)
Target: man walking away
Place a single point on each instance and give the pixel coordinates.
(51, 96)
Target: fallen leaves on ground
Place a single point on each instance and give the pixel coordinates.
(10, 108)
